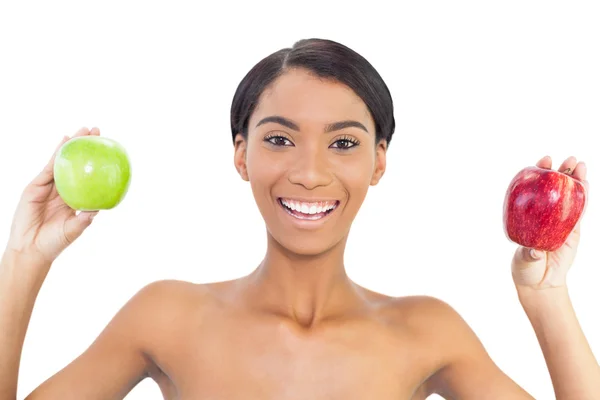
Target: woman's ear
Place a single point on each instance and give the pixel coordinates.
(239, 156)
(380, 162)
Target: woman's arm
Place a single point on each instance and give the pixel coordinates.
(108, 369)
(540, 280)
(43, 226)
(18, 291)
(466, 371)
(574, 371)
(469, 373)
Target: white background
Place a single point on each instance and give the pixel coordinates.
(481, 89)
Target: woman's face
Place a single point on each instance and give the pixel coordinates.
(310, 157)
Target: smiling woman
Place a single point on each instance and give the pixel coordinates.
(311, 126)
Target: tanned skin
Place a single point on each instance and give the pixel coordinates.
(297, 327)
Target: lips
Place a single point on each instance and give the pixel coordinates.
(308, 210)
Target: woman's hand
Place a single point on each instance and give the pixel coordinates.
(535, 269)
(43, 225)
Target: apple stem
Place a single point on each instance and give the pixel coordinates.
(568, 171)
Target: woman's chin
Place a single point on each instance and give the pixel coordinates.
(306, 247)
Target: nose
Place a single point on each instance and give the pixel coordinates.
(310, 168)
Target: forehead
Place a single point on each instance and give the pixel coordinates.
(307, 99)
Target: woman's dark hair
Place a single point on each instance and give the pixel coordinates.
(326, 59)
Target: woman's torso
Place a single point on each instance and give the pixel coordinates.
(205, 347)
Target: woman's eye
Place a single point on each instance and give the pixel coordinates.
(279, 141)
(343, 144)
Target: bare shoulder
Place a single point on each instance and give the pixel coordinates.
(430, 323)
(160, 304)
(166, 293)
(157, 298)
(431, 306)
(444, 331)
(430, 316)
(171, 288)
(165, 300)
(463, 367)
(120, 357)
(419, 312)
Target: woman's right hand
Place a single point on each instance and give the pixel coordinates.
(43, 225)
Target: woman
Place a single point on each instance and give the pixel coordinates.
(311, 126)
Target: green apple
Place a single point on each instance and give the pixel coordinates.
(92, 173)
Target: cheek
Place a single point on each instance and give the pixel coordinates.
(355, 171)
(262, 165)
(265, 169)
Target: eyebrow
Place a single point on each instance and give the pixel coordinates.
(336, 126)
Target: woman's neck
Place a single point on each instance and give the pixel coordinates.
(303, 288)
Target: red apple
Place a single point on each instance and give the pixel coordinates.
(541, 208)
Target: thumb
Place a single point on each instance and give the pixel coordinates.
(528, 266)
(76, 224)
(528, 255)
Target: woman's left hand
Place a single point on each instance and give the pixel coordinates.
(535, 269)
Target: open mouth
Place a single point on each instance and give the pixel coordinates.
(311, 211)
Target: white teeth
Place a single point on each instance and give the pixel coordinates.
(309, 208)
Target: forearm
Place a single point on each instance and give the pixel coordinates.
(574, 371)
(20, 281)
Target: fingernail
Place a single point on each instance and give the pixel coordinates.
(534, 254)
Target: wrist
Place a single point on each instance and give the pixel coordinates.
(540, 303)
(23, 268)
